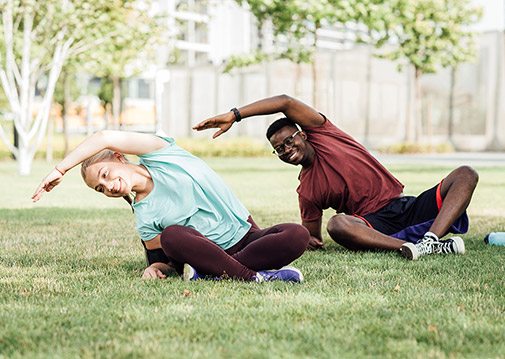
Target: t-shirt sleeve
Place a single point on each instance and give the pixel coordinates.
(308, 210)
(147, 232)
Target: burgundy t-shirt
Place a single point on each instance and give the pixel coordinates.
(344, 176)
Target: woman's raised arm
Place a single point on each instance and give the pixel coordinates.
(132, 143)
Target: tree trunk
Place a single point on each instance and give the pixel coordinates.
(106, 115)
(25, 159)
(314, 69)
(116, 101)
(88, 111)
(49, 145)
(450, 128)
(418, 116)
(298, 80)
(16, 138)
(366, 141)
(64, 111)
(409, 119)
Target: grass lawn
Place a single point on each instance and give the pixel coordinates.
(70, 284)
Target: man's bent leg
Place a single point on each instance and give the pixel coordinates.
(353, 233)
(456, 191)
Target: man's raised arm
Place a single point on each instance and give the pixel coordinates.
(295, 110)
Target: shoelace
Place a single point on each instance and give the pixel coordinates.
(427, 246)
(444, 247)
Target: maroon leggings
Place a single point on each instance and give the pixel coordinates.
(260, 249)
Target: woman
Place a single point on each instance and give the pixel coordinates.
(186, 215)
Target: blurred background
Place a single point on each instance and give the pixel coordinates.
(398, 75)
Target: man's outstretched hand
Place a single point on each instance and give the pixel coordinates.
(223, 122)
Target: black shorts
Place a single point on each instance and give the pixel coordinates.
(409, 218)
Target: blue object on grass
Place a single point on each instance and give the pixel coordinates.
(495, 238)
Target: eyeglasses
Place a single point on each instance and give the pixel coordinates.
(287, 143)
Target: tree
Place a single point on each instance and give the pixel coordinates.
(295, 26)
(431, 34)
(136, 35)
(38, 36)
(65, 92)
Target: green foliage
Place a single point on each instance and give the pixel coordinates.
(106, 92)
(41, 37)
(70, 283)
(429, 33)
(433, 33)
(294, 23)
(54, 20)
(134, 35)
(73, 90)
(244, 60)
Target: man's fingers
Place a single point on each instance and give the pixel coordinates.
(315, 244)
(202, 125)
(218, 133)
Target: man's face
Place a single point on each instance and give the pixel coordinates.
(290, 145)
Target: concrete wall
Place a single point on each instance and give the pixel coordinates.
(363, 94)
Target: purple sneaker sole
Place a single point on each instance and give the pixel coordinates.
(285, 274)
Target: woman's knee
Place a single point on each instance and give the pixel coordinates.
(300, 236)
(295, 236)
(170, 236)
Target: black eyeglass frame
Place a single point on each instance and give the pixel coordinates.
(287, 143)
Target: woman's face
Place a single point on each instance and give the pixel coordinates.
(110, 177)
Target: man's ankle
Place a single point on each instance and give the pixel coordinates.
(431, 235)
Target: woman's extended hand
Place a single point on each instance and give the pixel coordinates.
(223, 122)
(48, 183)
(153, 272)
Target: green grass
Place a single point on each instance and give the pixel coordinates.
(70, 284)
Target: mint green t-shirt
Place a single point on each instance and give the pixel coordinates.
(188, 192)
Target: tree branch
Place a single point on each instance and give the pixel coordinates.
(9, 144)
(11, 68)
(59, 56)
(24, 87)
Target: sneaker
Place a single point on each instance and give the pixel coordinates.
(454, 245)
(431, 245)
(413, 251)
(190, 273)
(286, 274)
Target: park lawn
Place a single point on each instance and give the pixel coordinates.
(70, 284)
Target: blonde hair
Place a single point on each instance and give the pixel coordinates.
(103, 155)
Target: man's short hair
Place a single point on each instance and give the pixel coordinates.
(278, 124)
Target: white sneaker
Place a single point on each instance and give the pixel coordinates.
(413, 251)
(454, 245)
(431, 245)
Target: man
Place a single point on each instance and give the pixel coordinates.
(338, 172)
